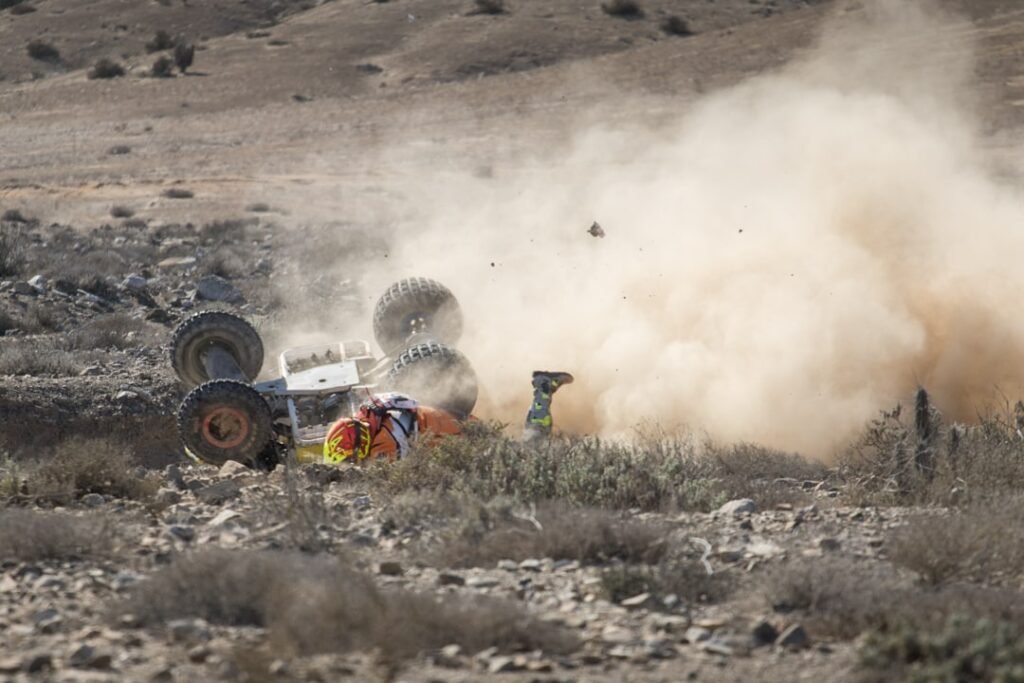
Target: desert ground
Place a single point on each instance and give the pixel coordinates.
(747, 483)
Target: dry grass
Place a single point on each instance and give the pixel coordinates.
(963, 650)
(843, 598)
(114, 331)
(78, 466)
(490, 533)
(901, 459)
(33, 536)
(12, 251)
(678, 574)
(653, 474)
(984, 542)
(39, 358)
(312, 604)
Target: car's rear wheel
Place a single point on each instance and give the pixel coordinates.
(416, 308)
(225, 420)
(194, 338)
(436, 375)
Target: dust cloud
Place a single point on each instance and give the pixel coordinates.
(789, 256)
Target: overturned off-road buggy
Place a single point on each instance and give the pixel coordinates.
(228, 415)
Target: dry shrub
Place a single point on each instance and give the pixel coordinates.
(226, 262)
(119, 211)
(675, 25)
(313, 604)
(551, 530)
(20, 9)
(651, 474)
(842, 598)
(38, 358)
(78, 466)
(177, 192)
(963, 650)
(907, 460)
(42, 51)
(12, 251)
(983, 542)
(627, 9)
(33, 536)
(162, 40)
(118, 150)
(679, 574)
(114, 331)
(105, 68)
(489, 7)
(230, 231)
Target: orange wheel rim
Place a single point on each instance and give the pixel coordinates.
(225, 427)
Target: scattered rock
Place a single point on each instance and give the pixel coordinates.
(740, 506)
(641, 601)
(185, 533)
(531, 565)
(93, 500)
(794, 637)
(177, 262)
(231, 468)
(87, 657)
(219, 492)
(37, 663)
(39, 283)
(390, 568)
(24, 288)
(764, 633)
(135, 283)
(449, 579)
(829, 544)
(188, 630)
(481, 582)
(696, 634)
(216, 288)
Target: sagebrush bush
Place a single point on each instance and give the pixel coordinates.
(119, 211)
(675, 25)
(33, 536)
(489, 7)
(113, 331)
(311, 604)
(162, 40)
(841, 597)
(178, 193)
(12, 251)
(163, 67)
(37, 358)
(42, 51)
(78, 466)
(629, 9)
(105, 68)
(983, 542)
(905, 459)
(652, 474)
(486, 533)
(963, 650)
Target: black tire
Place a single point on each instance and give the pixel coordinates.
(225, 420)
(436, 375)
(201, 330)
(416, 307)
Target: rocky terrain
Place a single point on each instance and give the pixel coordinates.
(261, 180)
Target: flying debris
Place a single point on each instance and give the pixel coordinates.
(596, 230)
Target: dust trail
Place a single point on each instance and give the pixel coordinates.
(792, 255)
